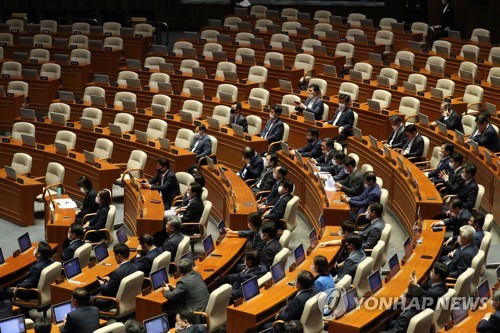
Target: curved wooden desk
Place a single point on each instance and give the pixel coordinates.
(40, 92)
(57, 221)
(469, 324)
(10, 109)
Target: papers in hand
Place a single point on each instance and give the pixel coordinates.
(65, 203)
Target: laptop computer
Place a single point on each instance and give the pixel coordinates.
(351, 300)
(121, 235)
(437, 93)
(408, 248)
(20, 56)
(66, 96)
(360, 38)
(394, 265)
(134, 64)
(208, 245)
(244, 26)
(375, 58)
(288, 46)
(469, 55)
(96, 100)
(61, 148)
(30, 73)
(189, 52)
(141, 136)
(166, 67)
(336, 19)
(495, 59)
(299, 254)
(460, 137)
(191, 35)
(101, 251)
(61, 310)
(57, 118)
(13, 324)
(27, 113)
(491, 108)
(129, 105)
(460, 312)
(189, 255)
(213, 123)
(230, 76)
(255, 103)
(442, 128)
(356, 75)
(483, 291)
(423, 119)
(28, 140)
(484, 39)
(357, 133)
(332, 35)
(159, 277)
(474, 146)
(285, 148)
(87, 123)
(250, 288)
(319, 49)
(277, 272)
(72, 268)
(186, 116)
(219, 56)
(273, 29)
(196, 92)
(24, 242)
(299, 159)
(164, 87)
(436, 69)
(454, 34)
(158, 110)
(410, 87)
(164, 143)
(133, 83)
(303, 31)
(373, 142)
(115, 129)
(383, 81)
(495, 81)
(466, 75)
(275, 62)
(226, 97)
(101, 79)
(442, 50)
(330, 70)
(387, 152)
(210, 163)
(309, 117)
(10, 173)
(199, 71)
(366, 23)
(397, 26)
(414, 45)
(375, 282)
(373, 105)
(238, 130)
(158, 324)
(248, 59)
(313, 238)
(285, 85)
(405, 63)
(304, 16)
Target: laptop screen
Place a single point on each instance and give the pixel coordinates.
(351, 300)
(157, 324)
(460, 312)
(483, 291)
(408, 248)
(72, 268)
(59, 311)
(189, 255)
(13, 324)
(208, 245)
(278, 272)
(101, 252)
(313, 238)
(250, 288)
(222, 227)
(159, 276)
(121, 235)
(300, 255)
(375, 282)
(394, 264)
(24, 242)
(322, 223)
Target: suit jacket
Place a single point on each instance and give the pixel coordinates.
(203, 148)
(455, 181)
(326, 162)
(97, 223)
(312, 149)
(453, 123)
(338, 172)
(455, 222)
(111, 288)
(371, 233)
(401, 323)
(447, 17)
(398, 137)
(417, 147)
(255, 237)
(269, 252)
(171, 243)
(240, 121)
(294, 309)
(193, 211)
(316, 108)
(265, 181)
(245, 275)
(273, 196)
(468, 194)
(370, 194)
(34, 273)
(479, 238)
(435, 291)
(89, 205)
(167, 185)
(491, 325)
(346, 120)
(82, 320)
(461, 260)
(273, 132)
(69, 251)
(5, 309)
(444, 165)
(145, 262)
(254, 170)
(278, 211)
(190, 292)
(350, 264)
(196, 328)
(353, 184)
(488, 139)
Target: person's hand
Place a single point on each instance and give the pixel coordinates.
(323, 244)
(139, 248)
(447, 241)
(171, 287)
(413, 280)
(146, 185)
(106, 279)
(448, 213)
(165, 288)
(450, 255)
(344, 198)
(487, 316)
(437, 224)
(433, 124)
(338, 186)
(313, 161)
(292, 152)
(302, 106)
(341, 130)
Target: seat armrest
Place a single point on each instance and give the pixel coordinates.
(204, 315)
(20, 302)
(106, 313)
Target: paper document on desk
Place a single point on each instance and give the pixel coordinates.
(244, 4)
(65, 203)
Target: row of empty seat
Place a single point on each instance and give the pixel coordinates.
(73, 41)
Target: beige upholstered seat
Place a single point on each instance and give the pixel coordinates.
(386, 38)
(121, 95)
(479, 31)
(97, 91)
(276, 40)
(366, 70)
(322, 16)
(386, 23)
(162, 100)
(377, 255)
(19, 87)
(227, 88)
(111, 28)
(405, 55)
(473, 96)
(441, 43)
(49, 26)
(134, 165)
(54, 177)
(307, 44)
(40, 55)
(81, 56)
(410, 108)
(435, 60)
(154, 78)
(254, 124)
(354, 19)
(351, 32)
(115, 43)
(208, 48)
(383, 97)
(258, 10)
(243, 50)
(83, 254)
(187, 65)
(225, 66)
(258, 74)
(184, 139)
(42, 40)
(347, 50)
(12, 68)
(290, 27)
(195, 107)
(15, 24)
(103, 149)
(82, 27)
(243, 38)
(125, 121)
(420, 27)
(351, 89)
(124, 75)
(419, 80)
(153, 63)
(222, 113)
(144, 29)
(78, 41)
(6, 38)
(442, 313)
(232, 22)
(463, 283)
(209, 35)
(216, 313)
(467, 66)
(179, 45)
(447, 86)
(360, 281)
(52, 71)
(421, 322)
(320, 29)
(67, 138)
(157, 128)
(62, 108)
(22, 163)
(291, 14)
(20, 128)
(116, 327)
(93, 114)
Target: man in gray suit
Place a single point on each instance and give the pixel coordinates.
(356, 255)
(266, 180)
(201, 145)
(190, 291)
(372, 232)
(352, 185)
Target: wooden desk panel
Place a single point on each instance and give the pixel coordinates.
(469, 324)
(40, 93)
(9, 107)
(57, 222)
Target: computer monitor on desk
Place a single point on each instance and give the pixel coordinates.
(61, 310)
(313, 238)
(208, 245)
(277, 272)
(24, 242)
(299, 254)
(250, 288)
(72, 268)
(375, 282)
(394, 265)
(158, 278)
(10, 173)
(13, 324)
(2, 259)
(408, 247)
(121, 235)
(101, 251)
(158, 324)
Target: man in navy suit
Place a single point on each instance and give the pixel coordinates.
(273, 132)
(397, 138)
(272, 245)
(253, 268)
(436, 287)
(352, 185)
(450, 118)
(373, 231)
(447, 16)
(477, 222)
(354, 245)
(491, 321)
(175, 236)
(485, 135)
(360, 203)
(253, 233)
(73, 241)
(325, 161)
(278, 211)
(146, 253)
(469, 190)
(343, 118)
(111, 283)
(165, 182)
(279, 175)
(85, 318)
(457, 217)
(201, 145)
(313, 147)
(237, 118)
(194, 209)
(461, 259)
(415, 145)
(266, 179)
(253, 165)
(413, 307)
(445, 152)
(452, 180)
(313, 103)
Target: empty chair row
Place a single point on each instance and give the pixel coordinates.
(74, 41)
(15, 69)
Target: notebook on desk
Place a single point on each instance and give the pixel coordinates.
(375, 58)
(484, 39)
(57, 118)
(72, 268)
(366, 23)
(495, 81)
(129, 105)
(275, 62)
(13, 324)
(248, 59)
(101, 251)
(28, 140)
(357, 133)
(332, 35)
(466, 75)
(159, 277)
(405, 63)
(442, 128)
(166, 67)
(158, 110)
(288, 45)
(121, 235)
(277, 272)
(141, 136)
(454, 34)
(30, 73)
(309, 117)
(219, 56)
(250, 288)
(210, 163)
(397, 26)
(285, 148)
(442, 50)
(436, 69)
(383, 81)
(199, 71)
(414, 45)
(491, 108)
(387, 152)
(255, 103)
(373, 105)
(423, 119)
(223, 39)
(285, 85)
(61, 148)
(96, 100)
(469, 55)
(238, 130)
(87, 123)
(24, 242)
(28, 114)
(356, 75)
(319, 49)
(361, 39)
(164, 87)
(437, 93)
(495, 59)
(460, 137)
(158, 324)
(164, 143)
(189, 52)
(330, 70)
(115, 129)
(61, 310)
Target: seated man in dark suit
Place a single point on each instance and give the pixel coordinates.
(415, 145)
(175, 236)
(325, 161)
(436, 287)
(491, 321)
(111, 283)
(254, 232)
(272, 245)
(201, 146)
(450, 118)
(477, 222)
(398, 137)
(253, 268)
(72, 242)
(360, 203)
(469, 190)
(185, 322)
(412, 307)
(343, 118)
(313, 103)
(194, 209)
(337, 170)
(190, 291)
(164, 182)
(89, 205)
(146, 254)
(446, 151)
(237, 118)
(84, 318)
(452, 180)
(354, 245)
(279, 175)
(372, 232)
(485, 135)
(266, 179)
(353, 184)
(273, 132)
(459, 260)
(457, 217)
(253, 165)
(313, 147)
(278, 211)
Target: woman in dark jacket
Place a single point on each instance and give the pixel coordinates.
(89, 205)
(103, 199)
